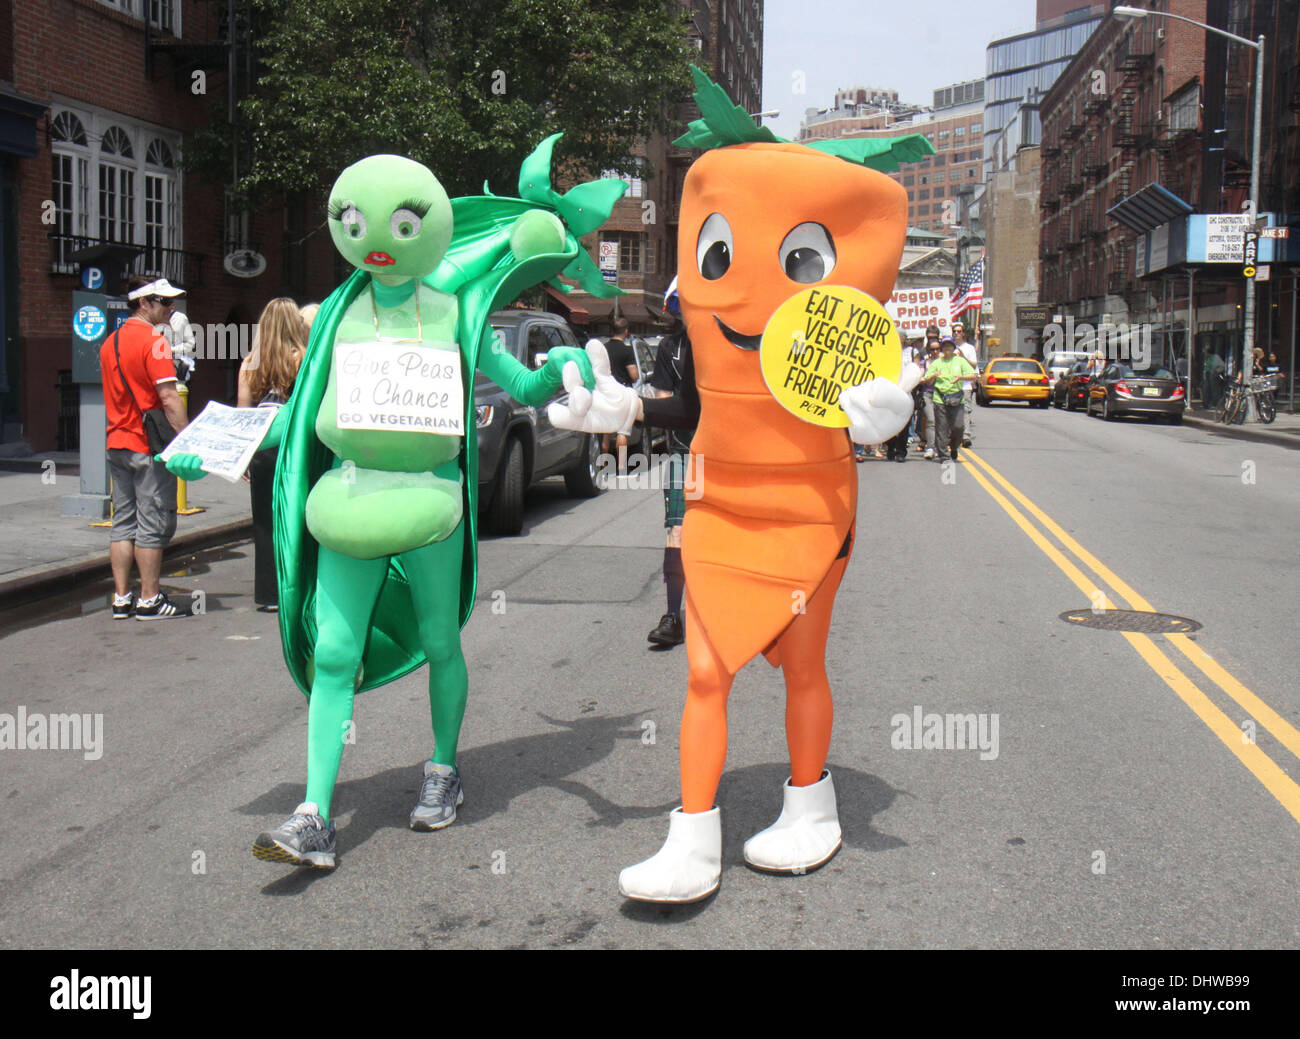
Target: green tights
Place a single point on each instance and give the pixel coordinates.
(346, 591)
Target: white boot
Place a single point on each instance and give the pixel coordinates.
(807, 834)
(687, 868)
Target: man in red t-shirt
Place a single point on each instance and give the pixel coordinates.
(144, 493)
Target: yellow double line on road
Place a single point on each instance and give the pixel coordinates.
(1261, 766)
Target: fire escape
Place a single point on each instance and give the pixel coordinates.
(1134, 57)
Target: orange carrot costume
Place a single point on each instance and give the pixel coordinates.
(765, 545)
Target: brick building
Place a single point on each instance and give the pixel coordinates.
(729, 37)
(954, 124)
(100, 100)
(1148, 127)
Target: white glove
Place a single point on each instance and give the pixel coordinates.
(610, 408)
(878, 409)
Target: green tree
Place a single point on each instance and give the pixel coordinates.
(468, 88)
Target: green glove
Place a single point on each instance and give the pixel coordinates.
(557, 358)
(188, 467)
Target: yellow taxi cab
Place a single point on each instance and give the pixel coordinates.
(1013, 377)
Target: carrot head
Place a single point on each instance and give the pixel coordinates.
(761, 221)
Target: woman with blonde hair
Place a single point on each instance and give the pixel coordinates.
(266, 379)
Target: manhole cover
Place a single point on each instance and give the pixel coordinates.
(1131, 620)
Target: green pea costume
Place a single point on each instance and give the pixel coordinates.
(375, 528)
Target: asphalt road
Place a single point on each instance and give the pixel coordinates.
(1124, 807)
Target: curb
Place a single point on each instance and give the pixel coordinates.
(1259, 436)
(24, 590)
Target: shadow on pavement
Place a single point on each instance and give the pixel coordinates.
(750, 799)
(498, 773)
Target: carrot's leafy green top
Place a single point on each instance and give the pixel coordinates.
(723, 123)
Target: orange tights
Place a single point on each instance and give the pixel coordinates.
(808, 708)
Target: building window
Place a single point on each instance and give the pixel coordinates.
(1185, 109)
(116, 181)
(959, 132)
(925, 178)
(163, 14)
(943, 136)
(923, 193)
(940, 176)
(970, 172)
(976, 128)
(923, 210)
(909, 180)
(632, 253)
(635, 183)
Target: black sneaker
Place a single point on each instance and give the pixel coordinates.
(158, 608)
(669, 632)
(965, 441)
(122, 610)
(304, 839)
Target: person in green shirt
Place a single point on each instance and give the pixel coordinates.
(948, 374)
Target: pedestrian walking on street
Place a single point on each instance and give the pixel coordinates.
(925, 392)
(947, 376)
(966, 350)
(266, 380)
(672, 361)
(138, 376)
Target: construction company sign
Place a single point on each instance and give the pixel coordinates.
(915, 310)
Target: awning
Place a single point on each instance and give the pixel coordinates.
(575, 312)
(631, 307)
(1148, 209)
(18, 117)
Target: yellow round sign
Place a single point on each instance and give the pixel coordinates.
(821, 341)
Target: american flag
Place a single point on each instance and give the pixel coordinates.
(970, 291)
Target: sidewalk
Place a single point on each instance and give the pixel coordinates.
(43, 552)
(1284, 430)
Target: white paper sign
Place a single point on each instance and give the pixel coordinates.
(410, 387)
(225, 438)
(915, 310)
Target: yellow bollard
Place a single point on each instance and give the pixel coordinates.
(182, 495)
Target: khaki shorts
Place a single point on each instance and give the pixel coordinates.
(144, 499)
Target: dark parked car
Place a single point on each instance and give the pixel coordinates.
(517, 445)
(1155, 392)
(1071, 390)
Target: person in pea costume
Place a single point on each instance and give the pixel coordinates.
(375, 514)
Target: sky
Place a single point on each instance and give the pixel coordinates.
(912, 46)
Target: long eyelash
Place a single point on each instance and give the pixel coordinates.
(417, 206)
(336, 208)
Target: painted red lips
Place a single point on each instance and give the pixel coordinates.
(380, 259)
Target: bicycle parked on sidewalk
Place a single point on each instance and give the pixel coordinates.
(1233, 410)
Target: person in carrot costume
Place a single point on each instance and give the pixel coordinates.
(766, 544)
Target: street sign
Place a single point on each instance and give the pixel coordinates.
(1262, 273)
(89, 322)
(1250, 248)
(1248, 272)
(609, 256)
(609, 276)
(92, 278)
(1034, 316)
(1275, 232)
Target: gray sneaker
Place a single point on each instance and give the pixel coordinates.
(304, 839)
(440, 793)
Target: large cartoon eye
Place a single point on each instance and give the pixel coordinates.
(404, 224)
(807, 254)
(713, 254)
(354, 224)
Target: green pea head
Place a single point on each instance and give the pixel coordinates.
(389, 215)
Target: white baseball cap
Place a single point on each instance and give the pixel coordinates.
(161, 287)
